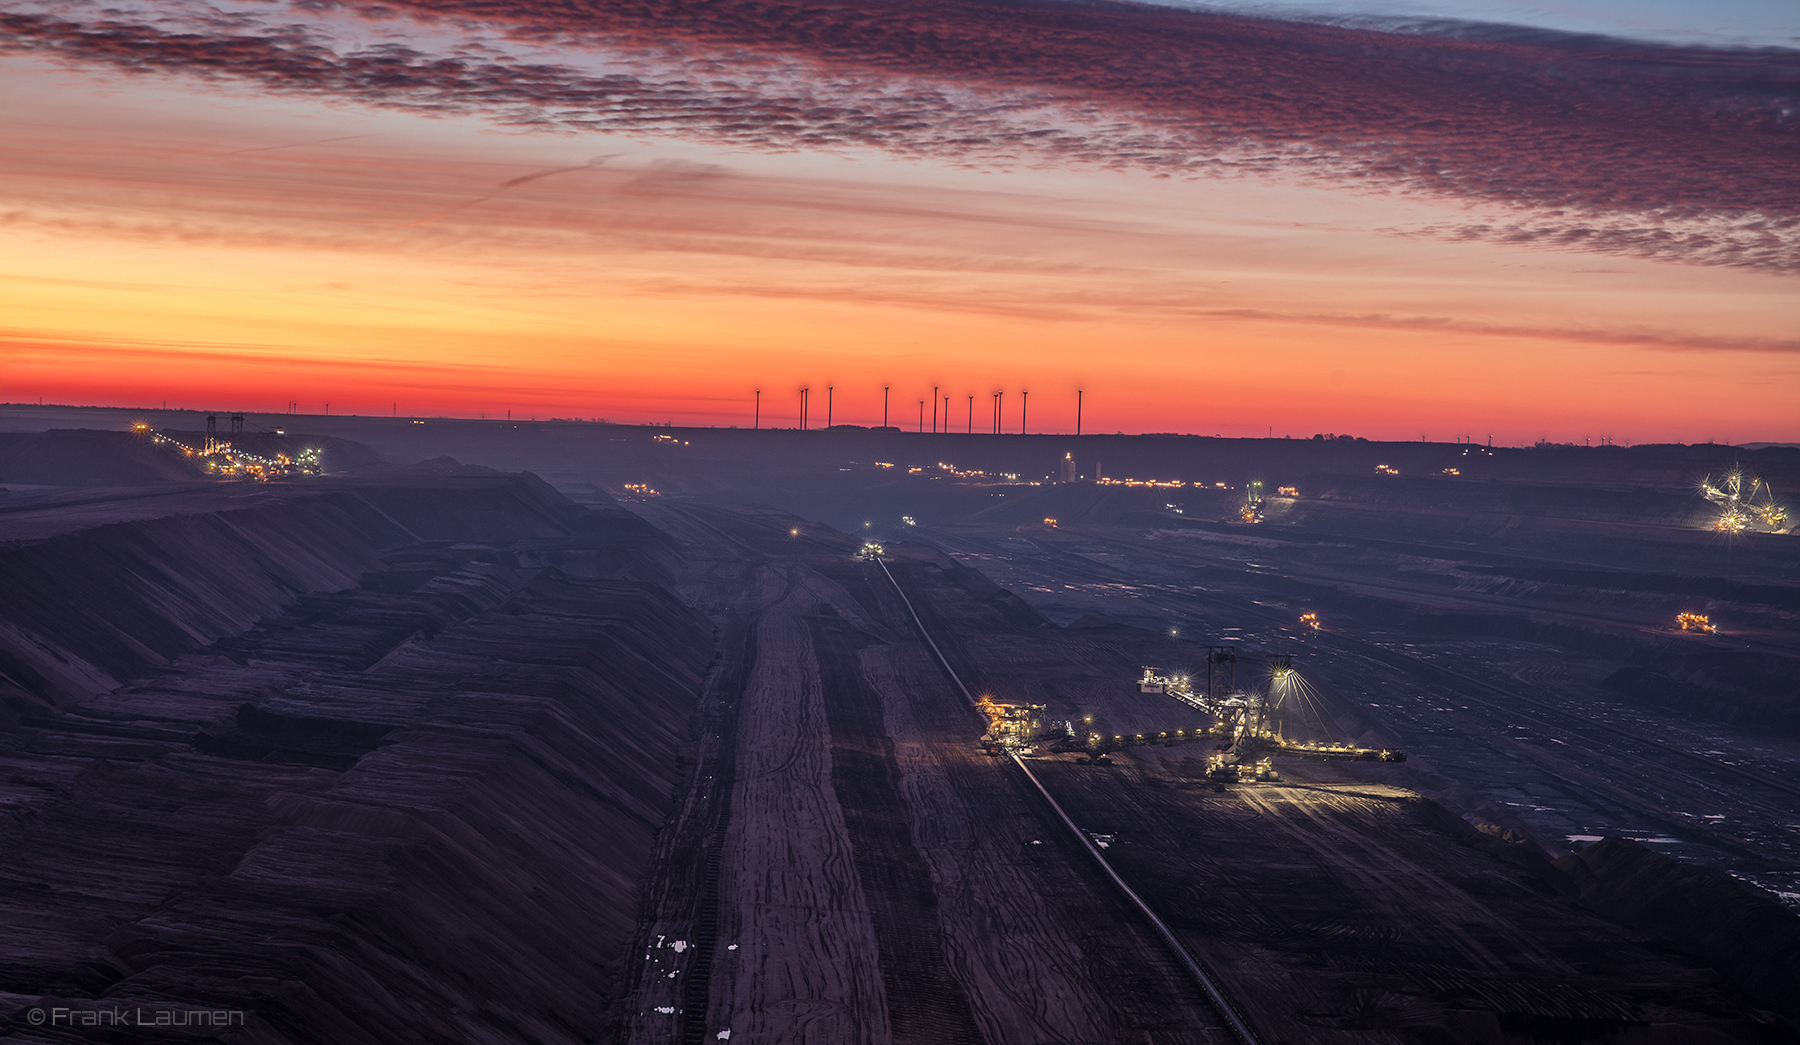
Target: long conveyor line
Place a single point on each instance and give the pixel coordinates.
(1213, 993)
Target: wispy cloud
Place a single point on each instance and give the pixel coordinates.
(1667, 340)
(1568, 143)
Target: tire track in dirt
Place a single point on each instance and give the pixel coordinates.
(895, 879)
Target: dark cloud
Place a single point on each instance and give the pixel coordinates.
(1590, 144)
(1744, 240)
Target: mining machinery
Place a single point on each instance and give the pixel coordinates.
(1011, 727)
(1245, 733)
(1252, 510)
(1744, 503)
(222, 458)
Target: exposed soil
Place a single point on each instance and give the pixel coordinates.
(434, 753)
(1336, 908)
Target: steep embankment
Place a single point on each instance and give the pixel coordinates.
(413, 808)
(1748, 936)
(84, 457)
(82, 611)
(85, 611)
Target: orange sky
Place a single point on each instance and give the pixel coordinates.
(233, 252)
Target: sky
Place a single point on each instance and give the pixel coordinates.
(1421, 219)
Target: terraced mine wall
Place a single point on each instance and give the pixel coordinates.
(86, 611)
(392, 774)
(82, 611)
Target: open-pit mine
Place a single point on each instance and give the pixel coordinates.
(375, 731)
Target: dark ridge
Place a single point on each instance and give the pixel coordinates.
(1783, 596)
(261, 736)
(475, 505)
(1769, 699)
(1743, 932)
(82, 457)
